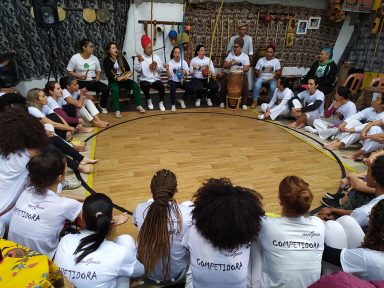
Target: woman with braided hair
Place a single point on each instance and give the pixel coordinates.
(162, 224)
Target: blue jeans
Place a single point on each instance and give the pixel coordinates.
(257, 86)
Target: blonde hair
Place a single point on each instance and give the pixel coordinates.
(33, 96)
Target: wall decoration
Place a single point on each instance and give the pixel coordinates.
(302, 27)
(314, 22)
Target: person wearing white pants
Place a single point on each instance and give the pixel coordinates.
(279, 103)
(340, 109)
(350, 128)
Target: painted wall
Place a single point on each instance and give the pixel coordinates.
(343, 38)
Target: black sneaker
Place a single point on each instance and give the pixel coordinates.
(332, 203)
(335, 196)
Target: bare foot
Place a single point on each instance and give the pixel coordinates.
(349, 156)
(88, 161)
(86, 129)
(86, 169)
(119, 219)
(79, 148)
(100, 124)
(292, 125)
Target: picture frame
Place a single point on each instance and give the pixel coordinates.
(314, 22)
(302, 27)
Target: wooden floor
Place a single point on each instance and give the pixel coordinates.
(197, 146)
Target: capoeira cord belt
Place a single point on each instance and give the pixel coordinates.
(122, 209)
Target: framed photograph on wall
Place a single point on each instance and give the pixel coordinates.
(314, 23)
(302, 27)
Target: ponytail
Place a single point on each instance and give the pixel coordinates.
(97, 213)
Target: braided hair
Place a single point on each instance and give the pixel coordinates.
(156, 234)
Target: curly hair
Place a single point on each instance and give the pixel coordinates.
(12, 101)
(377, 170)
(20, 131)
(374, 238)
(295, 196)
(227, 216)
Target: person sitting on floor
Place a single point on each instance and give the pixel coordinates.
(236, 61)
(103, 263)
(40, 213)
(312, 108)
(341, 109)
(149, 67)
(79, 98)
(279, 102)
(177, 71)
(162, 224)
(119, 76)
(227, 219)
(351, 127)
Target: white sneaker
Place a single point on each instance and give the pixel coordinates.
(222, 105)
(173, 108)
(197, 103)
(69, 184)
(244, 107)
(140, 109)
(150, 105)
(310, 129)
(209, 102)
(103, 110)
(261, 117)
(118, 114)
(161, 106)
(182, 104)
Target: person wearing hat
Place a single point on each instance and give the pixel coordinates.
(235, 61)
(149, 68)
(325, 69)
(242, 29)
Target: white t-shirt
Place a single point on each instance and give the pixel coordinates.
(280, 98)
(174, 66)
(311, 98)
(361, 214)
(98, 269)
(66, 93)
(292, 249)
(179, 257)
(242, 58)
(38, 220)
(247, 48)
(45, 110)
(267, 67)
(367, 115)
(200, 63)
(147, 74)
(84, 66)
(365, 263)
(213, 267)
(52, 103)
(13, 180)
(344, 111)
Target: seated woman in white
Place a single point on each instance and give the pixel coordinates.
(37, 106)
(227, 219)
(351, 128)
(279, 102)
(375, 179)
(72, 95)
(312, 107)
(88, 259)
(40, 213)
(340, 109)
(291, 246)
(346, 245)
(162, 224)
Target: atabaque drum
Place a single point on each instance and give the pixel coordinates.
(235, 87)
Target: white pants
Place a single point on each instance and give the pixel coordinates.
(349, 138)
(323, 130)
(370, 145)
(276, 111)
(311, 116)
(88, 110)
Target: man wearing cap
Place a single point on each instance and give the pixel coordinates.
(149, 68)
(242, 29)
(325, 70)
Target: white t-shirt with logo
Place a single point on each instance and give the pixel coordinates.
(45, 110)
(242, 58)
(37, 220)
(100, 268)
(292, 249)
(361, 214)
(174, 66)
(311, 98)
(213, 267)
(364, 263)
(52, 103)
(199, 64)
(83, 66)
(267, 67)
(13, 180)
(179, 257)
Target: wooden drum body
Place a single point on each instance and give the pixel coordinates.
(235, 87)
